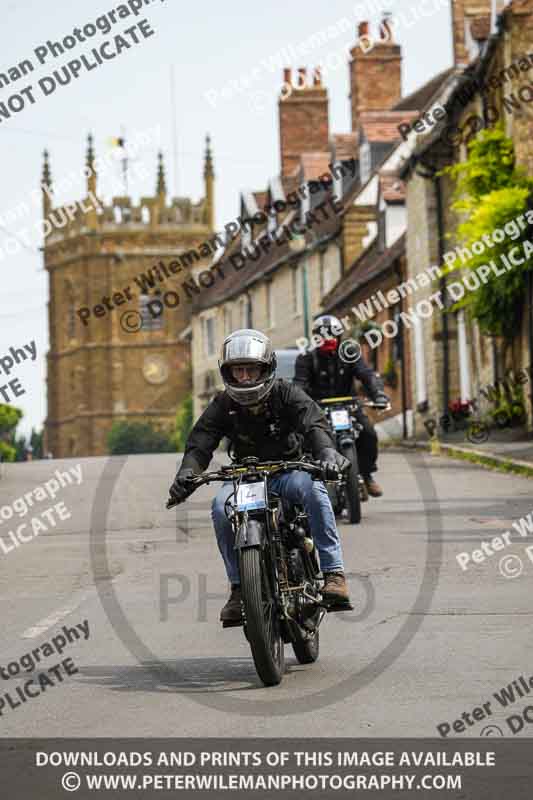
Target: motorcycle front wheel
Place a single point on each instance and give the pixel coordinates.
(262, 622)
(353, 496)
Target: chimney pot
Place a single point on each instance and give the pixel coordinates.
(287, 75)
(302, 78)
(317, 76)
(362, 29)
(385, 29)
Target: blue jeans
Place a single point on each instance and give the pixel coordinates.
(294, 488)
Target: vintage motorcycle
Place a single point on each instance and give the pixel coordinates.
(351, 490)
(278, 563)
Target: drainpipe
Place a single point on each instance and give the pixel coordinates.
(305, 296)
(401, 348)
(443, 284)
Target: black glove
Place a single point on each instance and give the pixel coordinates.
(181, 488)
(333, 463)
(381, 399)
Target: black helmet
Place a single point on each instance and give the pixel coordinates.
(248, 347)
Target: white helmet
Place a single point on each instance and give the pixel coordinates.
(248, 347)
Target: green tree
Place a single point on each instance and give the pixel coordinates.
(9, 419)
(490, 192)
(128, 438)
(184, 422)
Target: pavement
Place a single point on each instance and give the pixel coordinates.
(426, 643)
(507, 446)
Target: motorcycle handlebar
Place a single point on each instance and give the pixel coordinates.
(359, 401)
(266, 467)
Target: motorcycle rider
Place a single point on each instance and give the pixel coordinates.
(271, 419)
(324, 373)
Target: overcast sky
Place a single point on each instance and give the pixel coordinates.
(210, 45)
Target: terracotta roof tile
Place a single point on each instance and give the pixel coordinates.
(383, 126)
(419, 99)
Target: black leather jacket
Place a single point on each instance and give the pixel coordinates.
(289, 423)
(326, 375)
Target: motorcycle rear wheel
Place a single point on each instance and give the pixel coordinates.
(262, 623)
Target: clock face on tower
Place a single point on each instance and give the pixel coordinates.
(155, 369)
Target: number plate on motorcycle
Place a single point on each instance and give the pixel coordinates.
(340, 419)
(251, 496)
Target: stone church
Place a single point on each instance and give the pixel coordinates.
(112, 356)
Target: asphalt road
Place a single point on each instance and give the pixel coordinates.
(426, 642)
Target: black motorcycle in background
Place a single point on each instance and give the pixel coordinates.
(278, 563)
(351, 491)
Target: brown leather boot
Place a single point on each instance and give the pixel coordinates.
(335, 589)
(373, 488)
(231, 614)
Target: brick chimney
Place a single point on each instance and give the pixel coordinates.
(303, 118)
(464, 13)
(375, 75)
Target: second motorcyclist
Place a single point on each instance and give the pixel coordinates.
(324, 373)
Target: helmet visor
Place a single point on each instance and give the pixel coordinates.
(244, 348)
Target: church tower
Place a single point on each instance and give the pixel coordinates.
(112, 356)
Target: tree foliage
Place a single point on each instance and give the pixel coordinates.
(128, 438)
(490, 192)
(9, 419)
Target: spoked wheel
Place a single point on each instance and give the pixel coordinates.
(353, 496)
(262, 622)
